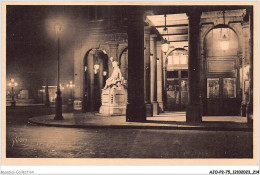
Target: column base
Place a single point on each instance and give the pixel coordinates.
(249, 114)
(149, 109)
(155, 108)
(194, 113)
(135, 113)
(160, 107)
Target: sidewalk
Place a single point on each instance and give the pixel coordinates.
(172, 121)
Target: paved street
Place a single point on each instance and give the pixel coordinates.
(26, 140)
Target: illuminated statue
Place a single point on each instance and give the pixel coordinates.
(116, 78)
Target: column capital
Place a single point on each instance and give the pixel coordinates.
(153, 36)
(147, 29)
(194, 14)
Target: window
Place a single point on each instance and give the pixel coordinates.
(184, 74)
(212, 88)
(178, 57)
(172, 74)
(229, 87)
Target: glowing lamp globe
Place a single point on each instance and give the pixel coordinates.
(165, 46)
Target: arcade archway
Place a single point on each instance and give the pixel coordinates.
(221, 92)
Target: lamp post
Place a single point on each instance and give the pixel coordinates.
(58, 114)
(13, 84)
(71, 86)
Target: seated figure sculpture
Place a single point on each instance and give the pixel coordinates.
(114, 94)
(116, 78)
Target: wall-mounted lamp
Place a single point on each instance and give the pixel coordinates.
(96, 65)
(96, 68)
(104, 73)
(85, 68)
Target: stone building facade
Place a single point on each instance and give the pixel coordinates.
(208, 69)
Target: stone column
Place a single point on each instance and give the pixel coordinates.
(101, 77)
(113, 47)
(135, 111)
(154, 74)
(90, 101)
(245, 63)
(249, 106)
(194, 109)
(147, 85)
(164, 72)
(159, 77)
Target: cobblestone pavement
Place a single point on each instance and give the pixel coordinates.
(26, 140)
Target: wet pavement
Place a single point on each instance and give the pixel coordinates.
(32, 141)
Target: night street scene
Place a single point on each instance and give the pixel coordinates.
(122, 81)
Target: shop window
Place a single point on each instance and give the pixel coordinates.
(229, 87)
(173, 85)
(212, 88)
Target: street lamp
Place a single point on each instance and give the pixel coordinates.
(12, 84)
(71, 86)
(58, 114)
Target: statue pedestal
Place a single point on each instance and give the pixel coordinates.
(114, 101)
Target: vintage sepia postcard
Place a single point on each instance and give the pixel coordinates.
(130, 83)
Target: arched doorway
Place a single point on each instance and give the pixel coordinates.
(221, 92)
(123, 63)
(95, 75)
(177, 80)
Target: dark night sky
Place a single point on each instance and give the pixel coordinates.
(31, 52)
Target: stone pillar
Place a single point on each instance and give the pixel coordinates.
(135, 111)
(245, 63)
(100, 76)
(113, 47)
(159, 77)
(91, 99)
(194, 109)
(249, 107)
(164, 72)
(147, 85)
(154, 74)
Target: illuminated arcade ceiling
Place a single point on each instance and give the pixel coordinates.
(177, 25)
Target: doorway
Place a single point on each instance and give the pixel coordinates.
(95, 74)
(177, 80)
(177, 90)
(222, 96)
(221, 87)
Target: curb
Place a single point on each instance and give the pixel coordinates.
(91, 126)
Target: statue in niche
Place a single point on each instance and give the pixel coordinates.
(116, 78)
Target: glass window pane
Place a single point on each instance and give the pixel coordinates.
(184, 74)
(169, 60)
(184, 91)
(176, 59)
(229, 87)
(172, 74)
(212, 88)
(183, 59)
